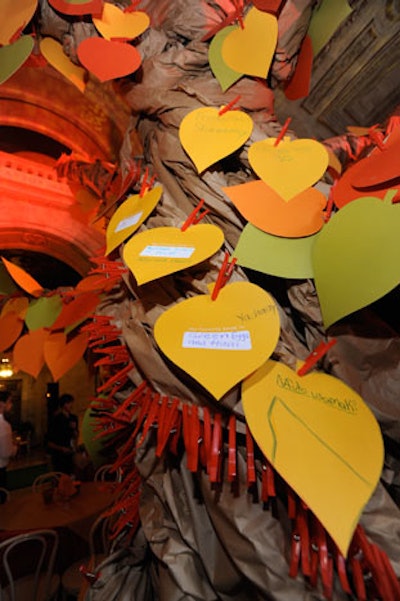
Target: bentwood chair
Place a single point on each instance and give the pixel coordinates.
(44, 480)
(99, 546)
(105, 474)
(27, 567)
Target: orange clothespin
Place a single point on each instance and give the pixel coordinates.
(283, 131)
(232, 452)
(224, 275)
(229, 106)
(236, 14)
(132, 7)
(239, 9)
(145, 184)
(251, 468)
(315, 356)
(195, 216)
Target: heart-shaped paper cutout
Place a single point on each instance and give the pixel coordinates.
(28, 354)
(10, 328)
(315, 430)
(7, 284)
(16, 16)
(78, 7)
(299, 84)
(18, 305)
(290, 167)
(263, 207)
(224, 74)
(43, 312)
(22, 278)
(208, 136)
(108, 60)
(356, 257)
(129, 216)
(115, 23)
(163, 250)
(60, 355)
(13, 56)
(250, 50)
(77, 310)
(344, 192)
(56, 57)
(380, 166)
(220, 342)
(282, 257)
(325, 20)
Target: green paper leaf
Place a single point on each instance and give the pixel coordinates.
(223, 73)
(43, 312)
(13, 56)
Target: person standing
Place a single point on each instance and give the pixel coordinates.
(63, 435)
(7, 447)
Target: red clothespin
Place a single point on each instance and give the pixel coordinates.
(145, 184)
(283, 131)
(392, 124)
(239, 9)
(191, 435)
(166, 422)
(224, 275)
(315, 356)
(342, 573)
(236, 14)
(329, 205)
(132, 7)
(206, 443)
(229, 106)
(376, 136)
(90, 577)
(232, 459)
(267, 482)
(215, 451)
(251, 468)
(195, 216)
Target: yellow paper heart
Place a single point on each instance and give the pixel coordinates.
(315, 430)
(130, 216)
(250, 50)
(208, 137)
(15, 15)
(115, 23)
(55, 55)
(164, 250)
(290, 167)
(220, 342)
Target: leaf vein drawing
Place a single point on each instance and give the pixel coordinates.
(273, 405)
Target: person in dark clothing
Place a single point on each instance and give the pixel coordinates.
(7, 447)
(62, 436)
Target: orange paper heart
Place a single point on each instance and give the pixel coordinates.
(28, 355)
(108, 60)
(76, 310)
(264, 208)
(60, 355)
(10, 328)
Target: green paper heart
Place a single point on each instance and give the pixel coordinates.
(224, 74)
(43, 312)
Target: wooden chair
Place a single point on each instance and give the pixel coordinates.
(104, 474)
(99, 546)
(42, 481)
(27, 562)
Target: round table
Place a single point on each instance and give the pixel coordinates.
(26, 510)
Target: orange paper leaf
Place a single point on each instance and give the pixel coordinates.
(60, 355)
(10, 328)
(28, 352)
(23, 279)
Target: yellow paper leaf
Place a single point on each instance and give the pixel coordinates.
(250, 50)
(208, 137)
(290, 167)
(55, 55)
(115, 23)
(163, 250)
(315, 431)
(130, 216)
(220, 342)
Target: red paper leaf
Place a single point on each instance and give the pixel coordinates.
(299, 85)
(77, 7)
(77, 310)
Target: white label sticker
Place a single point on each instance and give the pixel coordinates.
(226, 341)
(128, 221)
(170, 252)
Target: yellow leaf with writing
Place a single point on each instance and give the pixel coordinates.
(250, 50)
(290, 167)
(321, 437)
(164, 250)
(220, 342)
(208, 137)
(116, 24)
(54, 54)
(129, 217)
